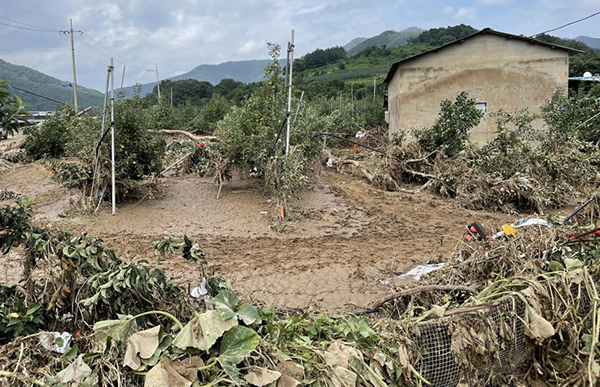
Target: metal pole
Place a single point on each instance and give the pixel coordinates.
(171, 97)
(287, 73)
(112, 134)
(374, 88)
(289, 107)
(122, 79)
(157, 81)
(74, 70)
(298, 108)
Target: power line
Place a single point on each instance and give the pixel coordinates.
(29, 25)
(113, 53)
(29, 29)
(33, 51)
(39, 95)
(571, 23)
(92, 48)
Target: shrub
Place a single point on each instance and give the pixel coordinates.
(48, 140)
(452, 126)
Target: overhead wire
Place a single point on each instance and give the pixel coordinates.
(28, 28)
(38, 95)
(570, 23)
(30, 25)
(113, 53)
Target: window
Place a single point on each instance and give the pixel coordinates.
(481, 106)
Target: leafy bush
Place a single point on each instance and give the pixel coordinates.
(48, 140)
(11, 108)
(209, 115)
(452, 126)
(570, 116)
(253, 135)
(15, 224)
(16, 318)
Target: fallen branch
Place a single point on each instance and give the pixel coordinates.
(421, 289)
(187, 134)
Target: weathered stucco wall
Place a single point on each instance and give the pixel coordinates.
(505, 73)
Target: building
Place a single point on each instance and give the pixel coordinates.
(499, 70)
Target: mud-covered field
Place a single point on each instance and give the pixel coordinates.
(344, 236)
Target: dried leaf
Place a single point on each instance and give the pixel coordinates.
(116, 330)
(164, 374)
(286, 381)
(75, 373)
(537, 327)
(261, 376)
(141, 344)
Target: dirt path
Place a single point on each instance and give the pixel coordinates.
(348, 238)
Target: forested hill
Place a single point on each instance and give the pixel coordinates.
(246, 71)
(387, 38)
(29, 79)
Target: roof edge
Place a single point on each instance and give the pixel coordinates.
(484, 31)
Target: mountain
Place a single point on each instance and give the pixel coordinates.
(353, 43)
(388, 38)
(592, 42)
(29, 79)
(242, 71)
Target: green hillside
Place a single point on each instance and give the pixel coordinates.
(40, 83)
(387, 38)
(592, 42)
(246, 71)
(353, 43)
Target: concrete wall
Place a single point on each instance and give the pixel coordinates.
(505, 73)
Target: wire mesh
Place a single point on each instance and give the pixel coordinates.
(437, 363)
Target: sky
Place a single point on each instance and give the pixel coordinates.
(179, 35)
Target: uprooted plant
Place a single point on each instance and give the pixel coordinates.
(520, 169)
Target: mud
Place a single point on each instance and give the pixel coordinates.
(344, 236)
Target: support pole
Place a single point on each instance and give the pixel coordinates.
(374, 88)
(97, 154)
(157, 81)
(122, 79)
(171, 97)
(298, 108)
(290, 87)
(112, 135)
(75, 102)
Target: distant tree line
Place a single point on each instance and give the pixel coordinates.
(320, 58)
(195, 92)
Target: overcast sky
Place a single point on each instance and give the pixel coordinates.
(178, 35)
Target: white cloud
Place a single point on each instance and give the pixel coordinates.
(314, 9)
(466, 13)
(448, 10)
(249, 47)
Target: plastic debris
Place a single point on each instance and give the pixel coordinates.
(56, 341)
(416, 272)
(329, 163)
(199, 291)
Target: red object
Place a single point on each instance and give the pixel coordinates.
(355, 148)
(201, 144)
(473, 230)
(595, 231)
(468, 237)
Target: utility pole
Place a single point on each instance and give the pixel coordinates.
(374, 87)
(123, 79)
(157, 81)
(112, 134)
(289, 107)
(74, 70)
(171, 97)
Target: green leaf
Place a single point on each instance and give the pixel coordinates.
(237, 344)
(116, 330)
(203, 331)
(225, 302)
(72, 352)
(248, 314)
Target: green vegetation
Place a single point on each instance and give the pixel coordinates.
(11, 109)
(387, 38)
(451, 128)
(37, 82)
(579, 63)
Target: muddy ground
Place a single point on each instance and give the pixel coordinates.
(345, 235)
